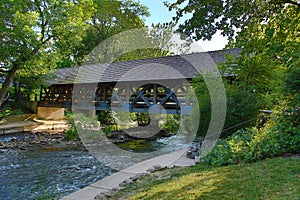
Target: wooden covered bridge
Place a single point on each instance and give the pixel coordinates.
(158, 85)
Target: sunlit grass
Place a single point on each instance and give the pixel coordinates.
(270, 179)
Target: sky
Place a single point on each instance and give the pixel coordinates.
(160, 13)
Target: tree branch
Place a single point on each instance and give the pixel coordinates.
(292, 2)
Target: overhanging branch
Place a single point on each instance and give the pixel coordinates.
(293, 3)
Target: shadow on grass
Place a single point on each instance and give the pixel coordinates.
(270, 179)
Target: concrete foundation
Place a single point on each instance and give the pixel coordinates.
(51, 113)
(32, 105)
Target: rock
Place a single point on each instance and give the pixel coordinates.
(197, 159)
(157, 167)
(154, 168)
(115, 189)
(151, 170)
(126, 182)
(194, 149)
(107, 194)
(36, 137)
(136, 177)
(100, 197)
(42, 138)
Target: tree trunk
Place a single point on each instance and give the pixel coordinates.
(7, 82)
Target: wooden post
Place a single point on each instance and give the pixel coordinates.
(154, 94)
(127, 93)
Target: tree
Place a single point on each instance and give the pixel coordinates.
(36, 34)
(268, 32)
(110, 18)
(226, 16)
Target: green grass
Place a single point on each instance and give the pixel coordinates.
(277, 178)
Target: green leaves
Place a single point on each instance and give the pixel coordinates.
(34, 35)
(225, 15)
(110, 18)
(39, 35)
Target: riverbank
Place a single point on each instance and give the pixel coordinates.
(106, 187)
(276, 178)
(26, 132)
(29, 123)
(42, 141)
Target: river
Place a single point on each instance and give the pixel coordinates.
(29, 175)
(56, 172)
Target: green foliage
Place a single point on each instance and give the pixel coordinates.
(110, 18)
(227, 16)
(203, 96)
(71, 133)
(267, 67)
(109, 129)
(280, 135)
(46, 195)
(242, 109)
(172, 123)
(108, 121)
(242, 106)
(11, 109)
(36, 35)
(292, 84)
(143, 119)
(105, 117)
(79, 122)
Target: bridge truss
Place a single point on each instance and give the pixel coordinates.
(171, 97)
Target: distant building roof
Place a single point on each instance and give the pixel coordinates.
(161, 68)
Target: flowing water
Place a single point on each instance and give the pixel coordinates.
(39, 173)
(28, 175)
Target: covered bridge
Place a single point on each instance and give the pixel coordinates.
(152, 84)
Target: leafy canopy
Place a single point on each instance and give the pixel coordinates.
(228, 16)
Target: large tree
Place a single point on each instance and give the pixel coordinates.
(227, 16)
(268, 33)
(111, 17)
(35, 34)
(40, 35)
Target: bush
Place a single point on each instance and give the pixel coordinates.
(280, 135)
(172, 123)
(79, 122)
(11, 109)
(71, 133)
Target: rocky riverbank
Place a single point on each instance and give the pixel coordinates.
(49, 140)
(44, 141)
(131, 134)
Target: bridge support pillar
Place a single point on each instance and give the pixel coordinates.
(50, 113)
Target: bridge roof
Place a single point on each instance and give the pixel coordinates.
(161, 68)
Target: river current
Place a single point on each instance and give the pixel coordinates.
(34, 174)
(29, 175)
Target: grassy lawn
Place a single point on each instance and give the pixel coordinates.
(277, 178)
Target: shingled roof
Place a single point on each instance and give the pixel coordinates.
(166, 68)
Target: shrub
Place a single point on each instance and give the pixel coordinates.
(79, 122)
(172, 123)
(280, 135)
(71, 133)
(11, 109)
